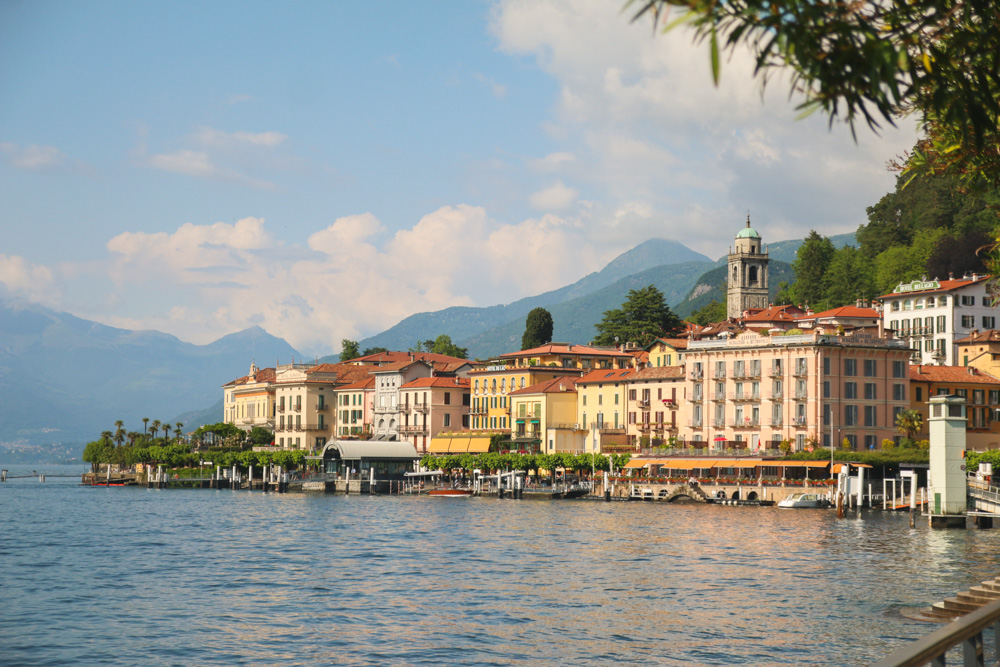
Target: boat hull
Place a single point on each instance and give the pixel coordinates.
(450, 493)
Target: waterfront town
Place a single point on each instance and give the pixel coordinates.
(768, 378)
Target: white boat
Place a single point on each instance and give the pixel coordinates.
(804, 501)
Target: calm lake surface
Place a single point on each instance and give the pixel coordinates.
(134, 576)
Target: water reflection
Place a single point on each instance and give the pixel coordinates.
(121, 575)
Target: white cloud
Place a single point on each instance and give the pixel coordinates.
(34, 158)
(556, 197)
(212, 137)
(498, 89)
(200, 165)
(34, 282)
(638, 111)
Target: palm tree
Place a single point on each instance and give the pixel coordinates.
(178, 430)
(909, 422)
(119, 432)
(145, 421)
(156, 427)
(132, 437)
(106, 436)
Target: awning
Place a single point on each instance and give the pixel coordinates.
(744, 463)
(458, 446)
(799, 464)
(837, 466)
(355, 450)
(682, 464)
(639, 463)
(439, 445)
(479, 445)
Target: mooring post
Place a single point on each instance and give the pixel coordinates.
(3, 475)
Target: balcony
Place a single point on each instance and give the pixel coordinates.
(776, 395)
(296, 408)
(697, 376)
(695, 423)
(776, 371)
(740, 374)
(719, 423)
(697, 398)
(754, 373)
(746, 422)
(736, 396)
(719, 396)
(413, 430)
(643, 427)
(801, 393)
(776, 422)
(425, 406)
(322, 407)
(281, 407)
(386, 410)
(643, 404)
(801, 371)
(719, 374)
(799, 422)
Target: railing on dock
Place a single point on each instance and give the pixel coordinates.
(966, 631)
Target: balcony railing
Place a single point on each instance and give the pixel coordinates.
(776, 371)
(746, 396)
(296, 408)
(424, 407)
(280, 408)
(322, 407)
(799, 422)
(697, 375)
(776, 422)
(414, 430)
(695, 423)
(745, 423)
(643, 426)
(643, 404)
(967, 631)
(719, 396)
(719, 374)
(739, 374)
(776, 395)
(719, 423)
(801, 393)
(801, 370)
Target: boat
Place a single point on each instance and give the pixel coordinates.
(450, 493)
(805, 501)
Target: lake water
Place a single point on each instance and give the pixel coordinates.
(135, 576)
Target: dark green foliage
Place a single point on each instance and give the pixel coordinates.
(810, 265)
(713, 312)
(260, 436)
(441, 345)
(643, 317)
(349, 350)
(373, 350)
(537, 329)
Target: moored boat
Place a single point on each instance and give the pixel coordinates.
(804, 501)
(450, 493)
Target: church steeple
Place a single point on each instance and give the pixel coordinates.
(748, 273)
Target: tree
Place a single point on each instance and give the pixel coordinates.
(441, 345)
(713, 312)
(119, 432)
(643, 317)
(374, 350)
(874, 61)
(156, 427)
(810, 265)
(909, 422)
(145, 422)
(848, 277)
(349, 350)
(537, 329)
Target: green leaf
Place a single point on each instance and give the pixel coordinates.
(715, 56)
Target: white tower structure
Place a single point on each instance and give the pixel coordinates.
(947, 481)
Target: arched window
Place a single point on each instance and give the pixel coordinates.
(477, 387)
(753, 275)
(930, 302)
(908, 305)
(503, 385)
(522, 382)
(736, 274)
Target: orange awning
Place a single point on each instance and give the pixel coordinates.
(458, 446)
(439, 445)
(798, 464)
(479, 445)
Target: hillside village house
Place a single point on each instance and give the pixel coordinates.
(980, 390)
(430, 405)
(655, 396)
(800, 388)
(666, 352)
(603, 409)
(248, 401)
(981, 349)
(304, 395)
(388, 380)
(544, 417)
(932, 315)
(356, 409)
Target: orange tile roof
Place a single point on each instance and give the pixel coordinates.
(845, 311)
(676, 343)
(397, 366)
(555, 385)
(263, 375)
(368, 383)
(659, 373)
(946, 286)
(988, 336)
(566, 348)
(606, 375)
(786, 313)
(392, 357)
(951, 374)
(437, 381)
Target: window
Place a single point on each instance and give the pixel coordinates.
(918, 393)
(908, 305)
(870, 442)
(968, 300)
(899, 392)
(968, 321)
(940, 323)
(584, 400)
(977, 396)
(988, 301)
(994, 396)
(895, 306)
(899, 369)
(929, 345)
(871, 368)
(850, 415)
(447, 419)
(989, 322)
(447, 398)
(826, 389)
(930, 302)
(870, 391)
(871, 415)
(852, 441)
(850, 367)
(850, 390)
(826, 365)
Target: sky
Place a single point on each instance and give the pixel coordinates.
(325, 169)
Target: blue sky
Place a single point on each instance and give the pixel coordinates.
(326, 169)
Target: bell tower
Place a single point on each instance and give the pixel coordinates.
(748, 275)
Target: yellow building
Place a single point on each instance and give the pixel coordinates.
(602, 409)
(981, 349)
(667, 352)
(653, 400)
(544, 418)
(569, 355)
(249, 401)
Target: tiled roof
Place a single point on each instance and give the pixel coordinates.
(263, 375)
(951, 374)
(566, 348)
(786, 313)
(555, 385)
(367, 383)
(676, 343)
(846, 311)
(454, 383)
(396, 366)
(606, 375)
(988, 336)
(946, 286)
(659, 373)
(392, 357)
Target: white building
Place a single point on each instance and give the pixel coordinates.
(931, 315)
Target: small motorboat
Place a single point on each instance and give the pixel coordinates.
(805, 501)
(450, 493)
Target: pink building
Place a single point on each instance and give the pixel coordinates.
(430, 405)
(756, 390)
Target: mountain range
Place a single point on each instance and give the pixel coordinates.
(66, 379)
